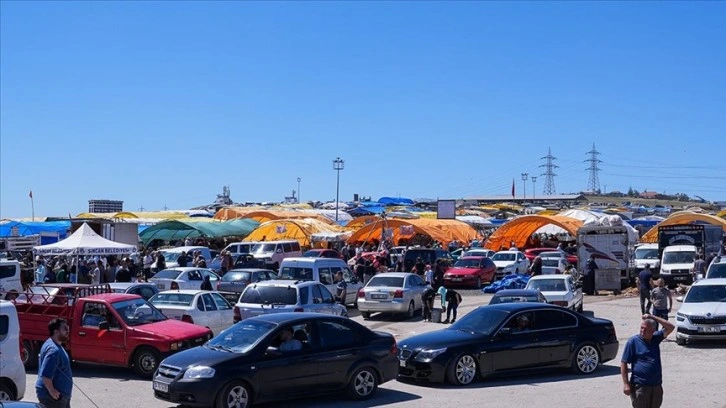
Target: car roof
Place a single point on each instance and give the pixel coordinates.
(291, 317)
(184, 248)
(516, 306)
(185, 291)
(185, 269)
(250, 270)
(679, 248)
(394, 274)
(302, 259)
(557, 253)
(286, 282)
(476, 257)
(712, 281)
(517, 292)
(508, 252)
(113, 297)
(550, 276)
(124, 285)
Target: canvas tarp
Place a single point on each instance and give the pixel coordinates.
(297, 229)
(156, 215)
(681, 218)
(443, 231)
(520, 229)
(230, 213)
(85, 241)
(263, 216)
(35, 228)
(180, 229)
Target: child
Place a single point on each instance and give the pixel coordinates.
(429, 274)
(662, 299)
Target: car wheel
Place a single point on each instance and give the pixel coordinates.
(363, 384)
(462, 371)
(586, 359)
(6, 394)
(236, 394)
(411, 312)
(579, 308)
(28, 355)
(478, 283)
(681, 341)
(146, 360)
(366, 315)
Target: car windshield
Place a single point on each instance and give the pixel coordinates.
(137, 312)
(167, 274)
(313, 254)
(551, 255)
(171, 256)
(717, 271)
(646, 253)
(467, 263)
(679, 257)
(706, 293)
(296, 273)
(241, 337)
(547, 285)
(481, 321)
(551, 262)
(474, 253)
(388, 281)
(174, 299)
(272, 295)
(261, 248)
(512, 299)
(237, 276)
(503, 257)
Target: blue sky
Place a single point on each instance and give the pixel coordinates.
(161, 104)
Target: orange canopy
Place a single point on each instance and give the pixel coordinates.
(360, 222)
(521, 228)
(680, 218)
(262, 216)
(297, 229)
(230, 213)
(443, 231)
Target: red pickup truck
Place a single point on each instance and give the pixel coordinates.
(105, 327)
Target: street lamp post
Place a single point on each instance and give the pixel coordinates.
(524, 187)
(298, 189)
(534, 188)
(338, 165)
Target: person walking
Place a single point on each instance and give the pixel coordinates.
(590, 268)
(699, 268)
(427, 298)
(642, 353)
(645, 285)
(662, 300)
(453, 299)
(55, 379)
(206, 284)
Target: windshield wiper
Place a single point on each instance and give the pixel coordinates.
(220, 347)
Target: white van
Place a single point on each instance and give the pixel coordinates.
(322, 270)
(172, 254)
(238, 248)
(273, 252)
(12, 371)
(676, 264)
(10, 283)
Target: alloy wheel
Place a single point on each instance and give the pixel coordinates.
(587, 359)
(237, 397)
(364, 383)
(465, 369)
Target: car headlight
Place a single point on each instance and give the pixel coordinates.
(176, 345)
(199, 372)
(426, 356)
(681, 316)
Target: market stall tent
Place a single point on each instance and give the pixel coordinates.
(362, 221)
(85, 241)
(443, 231)
(300, 230)
(681, 218)
(263, 216)
(180, 229)
(520, 229)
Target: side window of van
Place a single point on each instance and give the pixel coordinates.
(296, 246)
(7, 271)
(286, 247)
(4, 327)
(326, 278)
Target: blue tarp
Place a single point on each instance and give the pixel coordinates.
(395, 201)
(34, 228)
(513, 281)
(360, 211)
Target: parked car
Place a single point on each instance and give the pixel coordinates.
(323, 253)
(245, 364)
(243, 261)
(646, 254)
(427, 255)
(279, 296)
(471, 271)
(144, 289)
(10, 280)
(322, 270)
(702, 316)
(553, 262)
(391, 292)
(171, 255)
(479, 252)
(273, 252)
(200, 307)
(12, 375)
(236, 280)
(517, 295)
(532, 253)
(509, 262)
(239, 248)
(717, 269)
(560, 290)
(183, 278)
(508, 337)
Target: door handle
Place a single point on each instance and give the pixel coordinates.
(81, 333)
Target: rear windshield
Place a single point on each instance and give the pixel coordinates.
(386, 281)
(550, 262)
(467, 263)
(236, 276)
(285, 295)
(512, 299)
(503, 257)
(717, 271)
(174, 299)
(296, 273)
(547, 285)
(167, 274)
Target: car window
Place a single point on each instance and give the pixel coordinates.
(220, 301)
(93, 314)
(173, 298)
(304, 295)
(417, 280)
(286, 295)
(4, 326)
(7, 271)
(200, 303)
(325, 277)
(295, 246)
(317, 294)
(286, 247)
(194, 276)
(327, 296)
(209, 302)
(553, 319)
(212, 276)
(333, 335)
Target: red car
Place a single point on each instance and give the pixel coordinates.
(533, 252)
(323, 253)
(471, 271)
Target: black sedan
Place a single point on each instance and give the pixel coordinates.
(508, 337)
(236, 280)
(517, 295)
(279, 356)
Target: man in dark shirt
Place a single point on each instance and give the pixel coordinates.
(589, 278)
(642, 352)
(644, 287)
(419, 267)
(183, 260)
(427, 297)
(699, 267)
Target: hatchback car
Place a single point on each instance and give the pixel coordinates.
(702, 315)
(183, 278)
(471, 271)
(479, 252)
(509, 262)
(717, 269)
(560, 290)
(391, 292)
(507, 338)
(144, 289)
(517, 295)
(279, 296)
(200, 307)
(236, 280)
(277, 357)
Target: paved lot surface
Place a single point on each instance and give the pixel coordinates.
(693, 377)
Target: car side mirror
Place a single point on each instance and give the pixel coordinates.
(679, 299)
(103, 325)
(273, 352)
(505, 331)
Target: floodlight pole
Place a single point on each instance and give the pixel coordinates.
(524, 187)
(338, 165)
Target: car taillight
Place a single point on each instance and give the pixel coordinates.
(361, 293)
(218, 285)
(299, 309)
(559, 303)
(237, 315)
(174, 285)
(187, 318)
(394, 349)
(398, 294)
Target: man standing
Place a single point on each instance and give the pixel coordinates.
(55, 380)
(645, 285)
(40, 271)
(662, 299)
(341, 288)
(453, 299)
(699, 267)
(642, 352)
(590, 268)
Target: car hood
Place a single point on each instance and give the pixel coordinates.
(438, 339)
(703, 309)
(502, 264)
(460, 270)
(199, 356)
(670, 266)
(172, 330)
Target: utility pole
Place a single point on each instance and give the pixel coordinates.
(338, 165)
(593, 184)
(524, 187)
(298, 189)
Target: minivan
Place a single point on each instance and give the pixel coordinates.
(10, 283)
(273, 252)
(238, 248)
(12, 375)
(322, 270)
(172, 254)
(676, 264)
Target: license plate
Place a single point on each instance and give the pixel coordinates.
(679, 278)
(709, 329)
(402, 363)
(159, 386)
(456, 279)
(379, 296)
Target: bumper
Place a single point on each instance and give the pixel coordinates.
(609, 352)
(694, 334)
(193, 393)
(463, 281)
(672, 279)
(434, 371)
(396, 306)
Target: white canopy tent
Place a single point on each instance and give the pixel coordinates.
(85, 242)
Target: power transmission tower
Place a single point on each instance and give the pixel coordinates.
(550, 166)
(593, 184)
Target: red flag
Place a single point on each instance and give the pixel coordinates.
(512, 188)
(31, 194)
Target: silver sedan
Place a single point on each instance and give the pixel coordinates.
(391, 292)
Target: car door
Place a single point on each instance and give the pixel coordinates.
(289, 373)
(225, 316)
(190, 279)
(336, 348)
(317, 305)
(90, 343)
(515, 349)
(556, 335)
(328, 300)
(209, 316)
(414, 288)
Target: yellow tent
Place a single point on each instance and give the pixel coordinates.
(161, 215)
(680, 218)
(443, 231)
(297, 229)
(722, 214)
(360, 222)
(521, 229)
(230, 213)
(263, 216)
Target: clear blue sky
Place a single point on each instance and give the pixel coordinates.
(164, 103)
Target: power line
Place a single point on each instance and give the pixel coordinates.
(550, 166)
(593, 184)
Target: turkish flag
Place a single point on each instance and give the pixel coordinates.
(31, 194)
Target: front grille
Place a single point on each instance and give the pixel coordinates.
(168, 371)
(404, 354)
(707, 320)
(680, 271)
(499, 269)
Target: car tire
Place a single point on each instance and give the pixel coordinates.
(681, 341)
(366, 315)
(6, 394)
(478, 283)
(411, 312)
(580, 308)
(462, 370)
(235, 394)
(28, 355)
(586, 359)
(363, 384)
(146, 361)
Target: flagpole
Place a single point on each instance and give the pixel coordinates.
(32, 206)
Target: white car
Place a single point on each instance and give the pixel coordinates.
(717, 269)
(479, 252)
(183, 278)
(646, 254)
(12, 371)
(509, 262)
(280, 296)
(553, 262)
(200, 307)
(392, 292)
(559, 290)
(702, 315)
